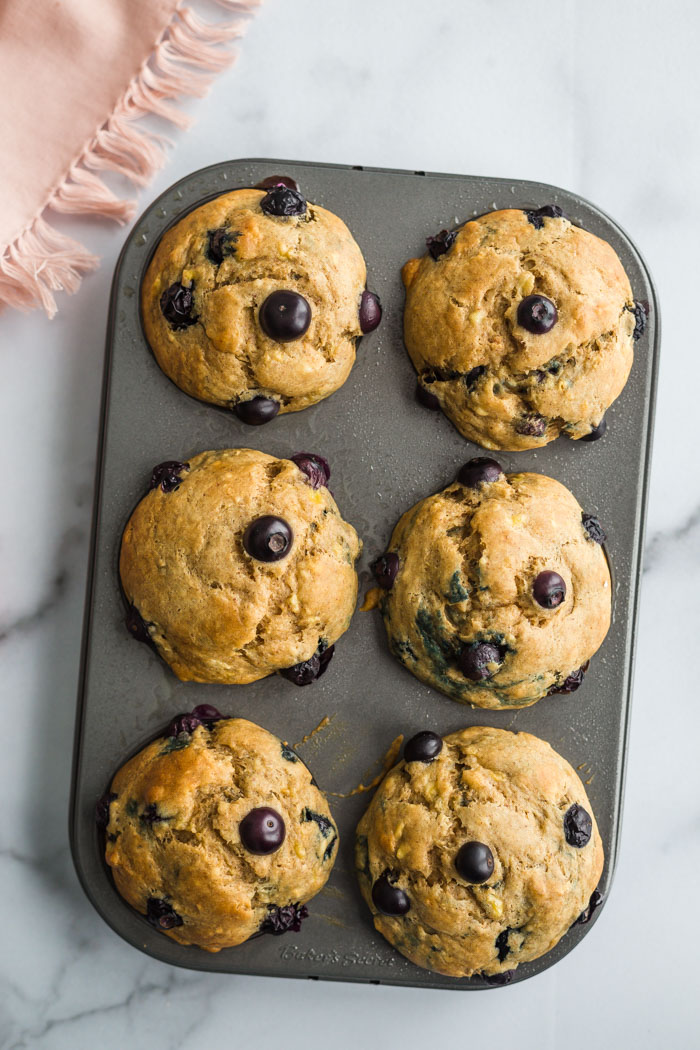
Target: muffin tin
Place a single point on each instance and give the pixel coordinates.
(386, 452)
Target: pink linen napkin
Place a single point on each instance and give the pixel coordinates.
(75, 76)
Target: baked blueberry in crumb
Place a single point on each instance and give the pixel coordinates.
(426, 399)
(537, 314)
(572, 682)
(162, 915)
(102, 809)
(282, 920)
(588, 912)
(137, 626)
(596, 433)
(315, 467)
(423, 747)
(531, 425)
(440, 243)
(641, 316)
(385, 569)
(220, 243)
(473, 376)
(498, 979)
(176, 304)
(285, 316)
(389, 899)
(201, 715)
(594, 530)
(268, 538)
(168, 475)
(309, 670)
(502, 946)
(578, 826)
(480, 660)
(277, 180)
(370, 312)
(257, 411)
(284, 201)
(536, 216)
(151, 815)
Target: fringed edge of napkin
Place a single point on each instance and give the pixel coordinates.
(185, 60)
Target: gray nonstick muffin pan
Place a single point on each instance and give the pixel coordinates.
(386, 452)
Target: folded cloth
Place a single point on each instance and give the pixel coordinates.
(75, 75)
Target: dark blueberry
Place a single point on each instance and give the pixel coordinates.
(151, 815)
(596, 432)
(288, 753)
(102, 809)
(475, 661)
(309, 670)
(423, 747)
(474, 862)
(385, 569)
(479, 471)
(578, 826)
(473, 376)
(389, 899)
(370, 312)
(537, 215)
(257, 411)
(283, 200)
(426, 399)
(201, 715)
(531, 425)
(282, 920)
(499, 979)
(315, 467)
(641, 315)
(176, 305)
(277, 180)
(572, 682)
(594, 530)
(441, 242)
(262, 830)
(325, 825)
(502, 946)
(285, 316)
(588, 912)
(136, 625)
(161, 914)
(548, 589)
(268, 538)
(168, 475)
(220, 243)
(537, 314)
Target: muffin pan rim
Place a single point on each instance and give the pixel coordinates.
(388, 966)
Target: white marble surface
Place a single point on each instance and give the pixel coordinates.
(601, 98)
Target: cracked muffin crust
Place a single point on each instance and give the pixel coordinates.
(178, 833)
(236, 565)
(480, 858)
(500, 589)
(522, 326)
(214, 271)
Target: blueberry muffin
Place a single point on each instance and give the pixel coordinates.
(520, 327)
(236, 565)
(216, 832)
(255, 301)
(497, 590)
(478, 852)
